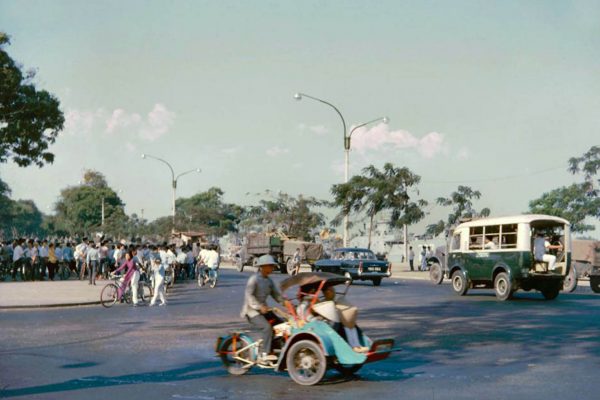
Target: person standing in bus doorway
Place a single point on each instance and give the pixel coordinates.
(540, 247)
(411, 258)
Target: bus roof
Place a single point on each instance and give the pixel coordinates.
(513, 219)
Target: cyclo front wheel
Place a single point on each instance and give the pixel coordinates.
(108, 296)
(237, 362)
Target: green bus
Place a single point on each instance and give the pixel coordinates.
(510, 253)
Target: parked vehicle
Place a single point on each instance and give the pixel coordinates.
(356, 264)
(585, 262)
(508, 264)
(281, 247)
(306, 349)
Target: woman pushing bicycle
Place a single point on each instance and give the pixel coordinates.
(132, 275)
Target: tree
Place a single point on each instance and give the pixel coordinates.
(461, 202)
(79, 208)
(588, 164)
(375, 191)
(571, 203)
(208, 212)
(578, 201)
(295, 216)
(26, 218)
(30, 119)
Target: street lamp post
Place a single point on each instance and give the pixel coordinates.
(347, 142)
(173, 179)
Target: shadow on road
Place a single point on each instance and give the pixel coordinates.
(188, 372)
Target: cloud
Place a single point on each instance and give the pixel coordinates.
(121, 122)
(318, 130)
(276, 151)
(81, 122)
(380, 138)
(158, 123)
(119, 119)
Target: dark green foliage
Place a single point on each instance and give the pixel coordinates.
(461, 202)
(295, 216)
(375, 191)
(30, 119)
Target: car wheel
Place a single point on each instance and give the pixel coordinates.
(595, 283)
(376, 281)
(459, 283)
(503, 286)
(436, 275)
(570, 282)
(306, 363)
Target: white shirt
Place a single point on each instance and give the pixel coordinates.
(43, 251)
(212, 259)
(18, 253)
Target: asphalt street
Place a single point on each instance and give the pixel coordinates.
(471, 347)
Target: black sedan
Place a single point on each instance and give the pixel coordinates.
(356, 264)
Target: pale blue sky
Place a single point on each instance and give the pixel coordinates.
(482, 93)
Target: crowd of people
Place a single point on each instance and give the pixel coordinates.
(83, 259)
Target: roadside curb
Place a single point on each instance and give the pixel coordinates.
(89, 303)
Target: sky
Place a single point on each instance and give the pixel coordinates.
(493, 95)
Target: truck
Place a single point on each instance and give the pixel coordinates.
(281, 247)
(586, 263)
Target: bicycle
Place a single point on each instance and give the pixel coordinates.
(207, 276)
(64, 271)
(115, 291)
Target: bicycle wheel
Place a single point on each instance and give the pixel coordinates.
(212, 278)
(145, 291)
(201, 278)
(108, 296)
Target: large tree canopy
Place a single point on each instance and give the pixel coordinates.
(295, 216)
(79, 208)
(206, 211)
(30, 119)
(578, 201)
(378, 190)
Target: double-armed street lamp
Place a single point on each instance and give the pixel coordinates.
(173, 178)
(347, 142)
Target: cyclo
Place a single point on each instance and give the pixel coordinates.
(305, 348)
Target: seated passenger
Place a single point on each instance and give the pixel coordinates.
(347, 329)
(489, 244)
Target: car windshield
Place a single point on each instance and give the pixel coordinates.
(354, 255)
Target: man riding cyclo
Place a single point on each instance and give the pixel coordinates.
(258, 289)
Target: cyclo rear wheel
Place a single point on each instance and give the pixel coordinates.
(231, 361)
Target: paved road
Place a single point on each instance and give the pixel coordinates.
(470, 347)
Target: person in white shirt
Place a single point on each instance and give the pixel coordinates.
(201, 264)
(541, 245)
(43, 262)
(79, 254)
(158, 272)
(212, 262)
(18, 256)
(92, 258)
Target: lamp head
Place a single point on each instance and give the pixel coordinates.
(298, 96)
(143, 156)
(386, 120)
(198, 170)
